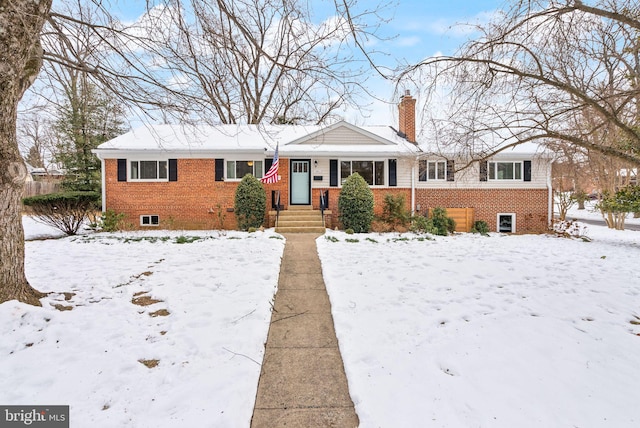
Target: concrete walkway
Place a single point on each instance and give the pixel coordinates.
(302, 383)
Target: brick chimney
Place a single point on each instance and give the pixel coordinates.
(407, 117)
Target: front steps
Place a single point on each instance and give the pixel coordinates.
(300, 219)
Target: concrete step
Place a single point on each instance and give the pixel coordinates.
(300, 208)
(291, 216)
(293, 229)
(300, 219)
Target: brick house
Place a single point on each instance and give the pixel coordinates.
(185, 177)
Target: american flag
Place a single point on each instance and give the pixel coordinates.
(272, 175)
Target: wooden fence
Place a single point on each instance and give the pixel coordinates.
(33, 188)
(462, 216)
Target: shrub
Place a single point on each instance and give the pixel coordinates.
(442, 224)
(349, 232)
(394, 211)
(480, 227)
(110, 221)
(65, 211)
(421, 224)
(250, 203)
(355, 204)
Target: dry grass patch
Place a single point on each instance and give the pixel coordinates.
(143, 299)
(150, 363)
(159, 313)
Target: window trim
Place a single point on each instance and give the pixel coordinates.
(150, 223)
(513, 222)
(226, 168)
(382, 162)
(492, 167)
(157, 161)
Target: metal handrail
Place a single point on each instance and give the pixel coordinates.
(277, 206)
(322, 207)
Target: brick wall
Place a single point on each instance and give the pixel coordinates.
(378, 200)
(529, 205)
(195, 201)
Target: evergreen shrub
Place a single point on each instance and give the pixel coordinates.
(110, 221)
(355, 204)
(250, 203)
(394, 212)
(442, 224)
(481, 227)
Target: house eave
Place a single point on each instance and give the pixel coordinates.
(190, 154)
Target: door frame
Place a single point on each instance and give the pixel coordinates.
(291, 161)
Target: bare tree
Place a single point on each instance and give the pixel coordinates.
(21, 22)
(536, 72)
(36, 139)
(256, 61)
(120, 59)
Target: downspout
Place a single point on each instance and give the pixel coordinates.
(550, 201)
(104, 186)
(413, 187)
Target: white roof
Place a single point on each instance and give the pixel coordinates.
(293, 140)
(340, 139)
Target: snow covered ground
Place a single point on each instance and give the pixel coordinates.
(461, 331)
(499, 331)
(218, 292)
(591, 213)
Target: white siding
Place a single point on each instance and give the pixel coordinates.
(339, 136)
(469, 177)
(403, 170)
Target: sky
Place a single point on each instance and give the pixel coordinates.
(413, 30)
(416, 29)
(420, 29)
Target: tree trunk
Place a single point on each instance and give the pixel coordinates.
(21, 23)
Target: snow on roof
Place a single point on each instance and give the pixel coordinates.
(340, 138)
(292, 139)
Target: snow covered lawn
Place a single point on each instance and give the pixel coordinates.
(461, 331)
(499, 331)
(217, 291)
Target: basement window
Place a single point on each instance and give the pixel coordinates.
(506, 223)
(149, 220)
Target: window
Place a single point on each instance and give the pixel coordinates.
(149, 220)
(505, 170)
(149, 170)
(371, 171)
(506, 223)
(301, 167)
(239, 168)
(432, 170)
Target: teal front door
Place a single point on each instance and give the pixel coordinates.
(300, 177)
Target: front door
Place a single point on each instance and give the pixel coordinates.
(300, 177)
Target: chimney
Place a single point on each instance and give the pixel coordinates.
(407, 117)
